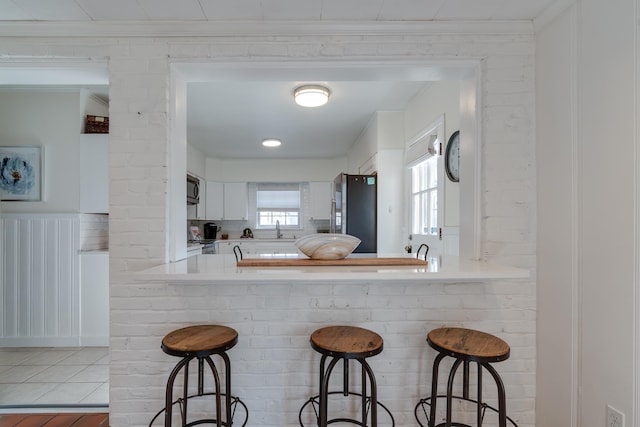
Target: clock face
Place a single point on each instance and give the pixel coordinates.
(452, 157)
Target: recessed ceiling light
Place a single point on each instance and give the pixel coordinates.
(271, 142)
(311, 95)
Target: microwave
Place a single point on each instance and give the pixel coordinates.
(193, 190)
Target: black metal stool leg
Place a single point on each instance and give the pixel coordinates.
(227, 369)
(502, 401)
(363, 397)
(216, 380)
(169, 391)
(452, 375)
(185, 393)
(434, 389)
(374, 394)
(465, 380)
(324, 393)
(479, 397)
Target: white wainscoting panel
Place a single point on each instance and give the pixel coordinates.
(40, 296)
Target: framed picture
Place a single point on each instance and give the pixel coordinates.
(21, 173)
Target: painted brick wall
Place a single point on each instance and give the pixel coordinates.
(273, 366)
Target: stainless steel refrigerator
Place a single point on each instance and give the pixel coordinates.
(354, 209)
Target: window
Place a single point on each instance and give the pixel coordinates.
(423, 158)
(424, 197)
(278, 203)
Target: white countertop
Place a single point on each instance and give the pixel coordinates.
(204, 269)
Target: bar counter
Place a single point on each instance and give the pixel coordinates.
(203, 269)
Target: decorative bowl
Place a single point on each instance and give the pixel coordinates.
(327, 246)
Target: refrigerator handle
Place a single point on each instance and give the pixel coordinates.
(332, 219)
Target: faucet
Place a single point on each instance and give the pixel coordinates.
(278, 234)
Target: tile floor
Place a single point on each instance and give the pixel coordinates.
(50, 377)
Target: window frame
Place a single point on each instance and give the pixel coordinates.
(277, 210)
(427, 144)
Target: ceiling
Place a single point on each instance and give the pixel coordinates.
(229, 116)
(312, 10)
(230, 119)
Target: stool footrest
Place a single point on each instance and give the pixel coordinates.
(426, 402)
(235, 401)
(315, 402)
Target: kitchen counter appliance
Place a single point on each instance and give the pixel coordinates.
(193, 190)
(211, 230)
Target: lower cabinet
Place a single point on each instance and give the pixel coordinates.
(226, 246)
(94, 298)
(257, 247)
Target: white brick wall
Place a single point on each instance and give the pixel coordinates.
(274, 369)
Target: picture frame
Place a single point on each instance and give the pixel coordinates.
(20, 173)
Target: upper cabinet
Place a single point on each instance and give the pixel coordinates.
(94, 173)
(236, 204)
(221, 201)
(215, 200)
(320, 194)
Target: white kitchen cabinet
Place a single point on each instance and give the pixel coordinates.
(215, 200)
(94, 298)
(257, 247)
(226, 246)
(236, 203)
(94, 173)
(279, 248)
(320, 194)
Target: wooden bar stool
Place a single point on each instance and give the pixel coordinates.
(346, 343)
(201, 342)
(465, 346)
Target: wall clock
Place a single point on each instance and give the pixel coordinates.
(452, 157)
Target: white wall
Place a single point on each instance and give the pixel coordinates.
(588, 237)
(196, 162)
(391, 209)
(364, 147)
(607, 153)
(555, 149)
(277, 170)
(438, 98)
(391, 190)
(51, 119)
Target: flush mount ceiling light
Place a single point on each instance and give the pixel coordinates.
(271, 142)
(311, 95)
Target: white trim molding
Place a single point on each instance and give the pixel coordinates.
(256, 28)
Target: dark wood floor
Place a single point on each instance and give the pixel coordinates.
(54, 420)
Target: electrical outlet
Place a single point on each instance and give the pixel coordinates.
(615, 418)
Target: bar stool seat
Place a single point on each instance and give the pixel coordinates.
(465, 346)
(201, 342)
(346, 343)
